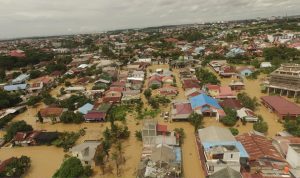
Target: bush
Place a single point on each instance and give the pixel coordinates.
(261, 125)
(138, 135)
(234, 131)
(8, 99)
(293, 126)
(72, 167)
(34, 100)
(231, 117)
(248, 102)
(148, 93)
(67, 140)
(71, 117)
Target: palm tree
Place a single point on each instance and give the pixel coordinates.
(115, 158)
(196, 120)
(119, 147)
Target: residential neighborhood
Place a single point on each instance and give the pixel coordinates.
(211, 100)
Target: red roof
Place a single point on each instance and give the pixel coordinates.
(95, 115)
(161, 128)
(184, 108)
(259, 147)
(212, 87)
(281, 105)
(190, 83)
(51, 112)
(231, 103)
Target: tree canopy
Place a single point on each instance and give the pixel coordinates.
(71, 168)
(13, 128)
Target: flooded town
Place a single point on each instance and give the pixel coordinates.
(201, 100)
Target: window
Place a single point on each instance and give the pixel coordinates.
(231, 155)
(211, 168)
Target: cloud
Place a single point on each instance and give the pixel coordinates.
(45, 17)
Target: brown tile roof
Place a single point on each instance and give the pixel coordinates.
(281, 105)
(184, 108)
(231, 103)
(51, 112)
(259, 147)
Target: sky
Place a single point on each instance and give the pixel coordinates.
(25, 18)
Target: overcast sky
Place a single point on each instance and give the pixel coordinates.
(21, 18)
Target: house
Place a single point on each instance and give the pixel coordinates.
(247, 115)
(25, 138)
(245, 71)
(130, 96)
(293, 158)
(154, 133)
(231, 103)
(192, 92)
(181, 110)
(225, 92)
(21, 79)
(17, 53)
(226, 172)
(263, 156)
(78, 89)
(85, 108)
(167, 80)
(160, 161)
(227, 71)
(281, 107)
(38, 86)
(17, 87)
(234, 52)
(136, 75)
(207, 106)
(219, 149)
(112, 96)
(155, 80)
(285, 80)
(212, 90)
(281, 143)
(190, 83)
(95, 116)
(236, 85)
(265, 64)
(51, 114)
(168, 91)
(86, 151)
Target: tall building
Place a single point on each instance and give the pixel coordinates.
(285, 80)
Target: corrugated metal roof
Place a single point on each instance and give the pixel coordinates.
(202, 100)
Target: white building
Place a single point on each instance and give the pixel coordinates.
(86, 152)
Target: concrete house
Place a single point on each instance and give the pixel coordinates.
(86, 152)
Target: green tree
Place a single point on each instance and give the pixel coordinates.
(292, 126)
(247, 101)
(13, 128)
(70, 168)
(17, 167)
(32, 100)
(148, 93)
(231, 117)
(196, 120)
(138, 135)
(35, 74)
(71, 117)
(41, 119)
(261, 125)
(234, 131)
(180, 132)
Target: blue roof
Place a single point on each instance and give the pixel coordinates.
(15, 87)
(202, 100)
(21, 78)
(85, 108)
(178, 154)
(238, 145)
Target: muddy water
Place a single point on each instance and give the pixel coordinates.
(252, 88)
(44, 160)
